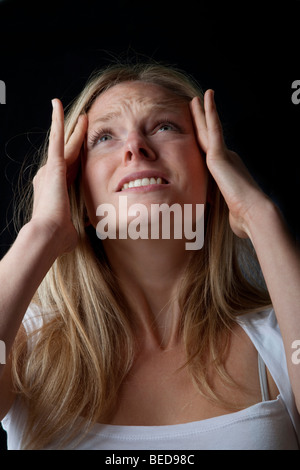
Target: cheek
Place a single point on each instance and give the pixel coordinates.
(194, 170)
(94, 178)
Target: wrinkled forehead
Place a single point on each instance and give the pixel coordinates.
(134, 96)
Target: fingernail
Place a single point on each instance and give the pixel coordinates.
(54, 103)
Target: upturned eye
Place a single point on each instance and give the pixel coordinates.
(100, 136)
(104, 138)
(165, 127)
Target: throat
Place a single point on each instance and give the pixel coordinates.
(150, 279)
(156, 323)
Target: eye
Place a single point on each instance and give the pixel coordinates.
(100, 136)
(103, 138)
(165, 126)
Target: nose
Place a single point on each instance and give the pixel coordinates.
(137, 148)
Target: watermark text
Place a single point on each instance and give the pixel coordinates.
(296, 353)
(296, 94)
(2, 92)
(160, 221)
(2, 352)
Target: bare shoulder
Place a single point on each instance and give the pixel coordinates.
(244, 354)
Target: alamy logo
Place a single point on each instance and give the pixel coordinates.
(296, 354)
(296, 94)
(160, 222)
(2, 92)
(2, 353)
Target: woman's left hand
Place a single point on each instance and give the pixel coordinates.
(252, 214)
(237, 186)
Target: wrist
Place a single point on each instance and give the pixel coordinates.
(263, 218)
(44, 236)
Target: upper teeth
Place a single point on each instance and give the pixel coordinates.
(142, 182)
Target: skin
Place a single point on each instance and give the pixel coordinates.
(140, 140)
(251, 214)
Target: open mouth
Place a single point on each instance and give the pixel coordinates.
(143, 182)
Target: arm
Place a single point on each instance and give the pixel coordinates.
(49, 234)
(279, 259)
(21, 272)
(252, 214)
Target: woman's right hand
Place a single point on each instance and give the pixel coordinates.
(51, 206)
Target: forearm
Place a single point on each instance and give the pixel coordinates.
(21, 272)
(279, 259)
(50, 232)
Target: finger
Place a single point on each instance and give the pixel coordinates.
(214, 127)
(200, 124)
(73, 146)
(56, 139)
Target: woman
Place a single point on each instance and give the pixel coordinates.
(140, 343)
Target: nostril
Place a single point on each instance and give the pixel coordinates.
(138, 150)
(144, 152)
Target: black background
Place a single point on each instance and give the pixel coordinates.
(247, 51)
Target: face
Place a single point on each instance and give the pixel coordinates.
(141, 144)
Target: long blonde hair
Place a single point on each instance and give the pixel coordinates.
(71, 376)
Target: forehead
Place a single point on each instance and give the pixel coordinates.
(135, 95)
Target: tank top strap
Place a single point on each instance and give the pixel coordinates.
(263, 379)
(263, 330)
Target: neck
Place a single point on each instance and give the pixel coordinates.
(149, 273)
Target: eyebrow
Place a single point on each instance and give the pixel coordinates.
(108, 117)
(170, 103)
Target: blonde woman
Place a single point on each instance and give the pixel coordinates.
(126, 343)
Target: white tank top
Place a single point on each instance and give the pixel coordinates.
(270, 424)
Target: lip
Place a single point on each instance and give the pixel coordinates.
(141, 175)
